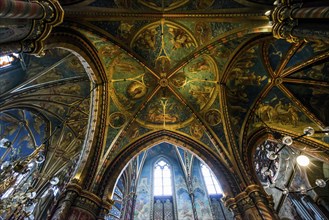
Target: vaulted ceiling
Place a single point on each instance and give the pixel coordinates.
(208, 70)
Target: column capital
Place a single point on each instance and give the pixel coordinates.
(42, 15)
(76, 202)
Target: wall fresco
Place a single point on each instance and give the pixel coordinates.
(278, 111)
(202, 204)
(276, 51)
(315, 72)
(315, 98)
(163, 44)
(164, 110)
(245, 81)
(197, 82)
(307, 51)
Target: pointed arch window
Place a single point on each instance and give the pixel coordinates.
(162, 179)
(210, 180)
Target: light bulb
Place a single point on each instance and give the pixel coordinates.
(285, 191)
(40, 158)
(268, 13)
(271, 155)
(264, 170)
(320, 183)
(326, 129)
(287, 140)
(54, 181)
(303, 160)
(309, 131)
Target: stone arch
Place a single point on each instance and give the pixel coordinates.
(80, 46)
(229, 182)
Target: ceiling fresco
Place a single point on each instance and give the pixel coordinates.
(216, 82)
(24, 129)
(207, 70)
(47, 108)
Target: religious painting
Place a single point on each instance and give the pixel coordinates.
(245, 81)
(163, 44)
(196, 130)
(142, 205)
(315, 72)
(315, 98)
(198, 82)
(164, 110)
(278, 111)
(117, 120)
(213, 117)
(307, 51)
(184, 206)
(276, 50)
(202, 204)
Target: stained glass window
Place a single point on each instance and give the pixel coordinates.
(162, 179)
(168, 210)
(210, 180)
(158, 210)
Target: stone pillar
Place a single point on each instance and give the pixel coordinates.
(24, 26)
(21, 9)
(291, 21)
(76, 203)
(252, 204)
(64, 205)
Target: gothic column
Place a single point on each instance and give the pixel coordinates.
(253, 203)
(76, 203)
(294, 22)
(25, 25)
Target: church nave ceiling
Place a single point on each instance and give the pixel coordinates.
(205, 91)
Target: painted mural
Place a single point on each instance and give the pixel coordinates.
(198, 82)
(277, 110)
(163, 44)
(131, 82)
(315, 98)
(276, 50)
(316, 72)
(307, 51)
(23, 129)
(245, 80)
(143, 200)
(164, 110)
(201, 199)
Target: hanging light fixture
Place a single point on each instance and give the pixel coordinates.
(303, 160)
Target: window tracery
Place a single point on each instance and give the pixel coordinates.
(210, 180)
(162, 179)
